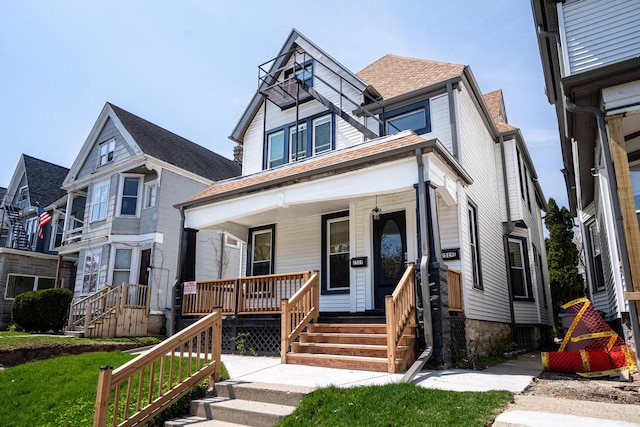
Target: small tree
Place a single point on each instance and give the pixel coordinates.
(562, 256)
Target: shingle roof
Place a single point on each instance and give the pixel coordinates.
(494, 101)
(176, 150)
(399, 145)
(394, 75)
(44, 180)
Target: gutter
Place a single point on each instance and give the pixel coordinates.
(613, 189)
(424, 275)
(178, 273)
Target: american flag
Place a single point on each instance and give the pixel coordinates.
(43, 218)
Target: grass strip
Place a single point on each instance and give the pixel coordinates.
(402, 404)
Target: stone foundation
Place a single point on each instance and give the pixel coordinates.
(482, 336)
(156, 324)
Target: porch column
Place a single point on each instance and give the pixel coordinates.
(627, 210)
(438, 284)
(187, 273)
(67, 217)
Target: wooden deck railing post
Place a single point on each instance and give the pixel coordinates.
(391, 333)
(216, 344)
(102, 397)
(285, 329)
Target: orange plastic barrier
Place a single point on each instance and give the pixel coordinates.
(590, 347)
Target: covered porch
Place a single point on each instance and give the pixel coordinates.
(352, 218)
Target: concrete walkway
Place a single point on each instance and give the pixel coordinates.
(514, 375)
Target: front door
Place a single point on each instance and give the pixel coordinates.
(389, 249)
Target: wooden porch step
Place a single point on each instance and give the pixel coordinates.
(350, 338)
(363, 350)
(348, 328)
(376, 364)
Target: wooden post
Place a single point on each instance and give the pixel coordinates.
(285, 327)
(627, 202)
(391, 334)
(102, 397)
(216, 344)
(59, 273)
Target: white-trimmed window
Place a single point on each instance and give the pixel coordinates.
(231, 241)
(122, 266)
(107, 149)
(474, 246)
(100, 201)
(17, 284)
(322, 135)
(275, 149)
(298, 142)
(150, 194)
(90, 273)
(597, 272)
(128, 203)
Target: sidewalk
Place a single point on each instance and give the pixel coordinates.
(514, 375)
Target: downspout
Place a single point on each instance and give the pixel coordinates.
(508, 229)
(424, 274)
(221, 256)
(178, 274)
(613, 189)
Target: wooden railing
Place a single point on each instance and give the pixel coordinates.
(94, 307)
(298, 311)
(141, 388)
(400, 312)
(246, 295)
(112, 311)
(454, 284)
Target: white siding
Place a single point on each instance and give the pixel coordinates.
(440, 123)
(449, 232)
(598, 33)
(513, 183)
(492, 303)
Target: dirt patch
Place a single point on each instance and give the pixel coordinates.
(571, 386)
(13, 357)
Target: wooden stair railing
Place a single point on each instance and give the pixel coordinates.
(400, 312)
(298, 311)
(144, 386)
(94, 307)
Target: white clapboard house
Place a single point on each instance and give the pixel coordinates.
(355, 184)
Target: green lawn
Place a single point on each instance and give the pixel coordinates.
(55, 392)
(403, 404)
(18, 340)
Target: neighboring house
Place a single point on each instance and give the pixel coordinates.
(28, 261)
(590, 53)
(119, 219)
(340, 193)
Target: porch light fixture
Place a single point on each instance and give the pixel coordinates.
(376, 211)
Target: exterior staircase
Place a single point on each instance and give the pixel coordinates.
(19, 235)
(237, 403)
(351, 346)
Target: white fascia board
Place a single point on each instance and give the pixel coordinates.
(140, 239)
(622, 98)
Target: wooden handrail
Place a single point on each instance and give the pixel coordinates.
(298, 311)
(144, 386)
(92, 307)
(454, 286)
(399, 311)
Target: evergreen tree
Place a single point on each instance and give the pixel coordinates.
(562, 257)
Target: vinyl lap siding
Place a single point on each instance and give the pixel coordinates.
(121, 152)
(492, 303)
(605, 301)
(440, 123)
(599, 33)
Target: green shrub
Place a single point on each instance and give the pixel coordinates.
(41, 311)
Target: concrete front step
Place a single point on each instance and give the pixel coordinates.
(74, 333)
(239, 403)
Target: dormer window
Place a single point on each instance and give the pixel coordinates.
(415, 117)
(304, 72)
(23, 198)
(106, 152)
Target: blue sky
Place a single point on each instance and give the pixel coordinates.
(192, 66)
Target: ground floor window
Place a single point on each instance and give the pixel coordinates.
(597, 272)
(90, 274)
(474, 246)
(261, 251)
(519, 269)
(17, 284)
(335, 253)
(122, 266)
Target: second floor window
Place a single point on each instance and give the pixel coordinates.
(23, 198)
(313, 135)
(106, 152)
(100, 201)
(151, 193)
(129, 196)
(415, 117)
